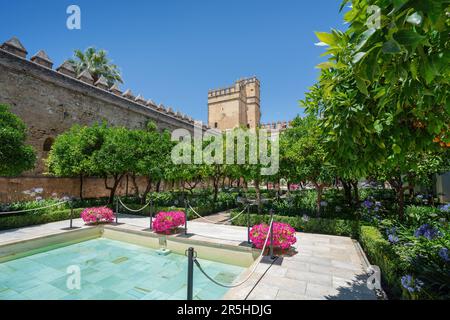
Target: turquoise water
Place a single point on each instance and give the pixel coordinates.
(109, 270)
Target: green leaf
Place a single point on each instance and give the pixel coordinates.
(378, 126)
(364, 38)
(428, 71)
(326, 65)
(361, 84)
(381, 93)
(357, 57)
(391, 47)
(408, 37)
(396, 149)
(413, 69)
(325, 37)
(415, 19)
(399, 3)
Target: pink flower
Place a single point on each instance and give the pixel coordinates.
(97, 215)
(283, 235)
(168, 222)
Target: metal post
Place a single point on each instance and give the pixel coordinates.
(71, 214)
(117, 211)
(190, 279)
(151, 214)
(248, 223)
(271, 235)
(185, 217)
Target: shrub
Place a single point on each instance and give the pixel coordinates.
(97, 215)
(35, 218)
(381, 253)
(416, 215)
(168, 222)
(283, 235)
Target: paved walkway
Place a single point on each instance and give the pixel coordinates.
(323, 267)
(216, 218)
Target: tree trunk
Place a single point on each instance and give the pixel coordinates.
(117, 179)
(355, 191)
(319, 189)
(411, 185)
(216, 188)
(81, 187)
(346, 185)
(135, 185)
(397, 184)
(279, 188)
(148, 188)
(158, 186)
(258, 196)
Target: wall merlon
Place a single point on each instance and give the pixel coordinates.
(102, 83)
(42, 58)
(67, 68)
(15, 47)
(115, 90)
(128, 95)
(151, 104)
(139, 99)
(86, 77)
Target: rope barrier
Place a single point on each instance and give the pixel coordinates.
(215, 222)
(133, 210)
(251, 273)
(36, 209)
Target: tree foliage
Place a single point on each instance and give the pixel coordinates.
(97, 63)
(15, 155)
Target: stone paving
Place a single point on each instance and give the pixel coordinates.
(323, 267)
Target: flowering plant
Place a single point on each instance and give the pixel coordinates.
(168, 222)
(283, 235)
(97, 215)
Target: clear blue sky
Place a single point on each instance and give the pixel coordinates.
(173, 51)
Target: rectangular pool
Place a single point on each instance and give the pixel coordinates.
(109, 269)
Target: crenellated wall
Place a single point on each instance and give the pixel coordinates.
(50, 101)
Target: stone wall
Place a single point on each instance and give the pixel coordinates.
(51, 101)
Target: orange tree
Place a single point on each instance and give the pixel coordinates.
(383, 93)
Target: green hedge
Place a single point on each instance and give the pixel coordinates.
(203, 211)
(42, 217)
(30, 219)
(380, 253)
(336, 227)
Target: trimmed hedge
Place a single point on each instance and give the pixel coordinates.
(380, 253)
(42, 217)
(203, 211)
(33, 218)
(338, 227)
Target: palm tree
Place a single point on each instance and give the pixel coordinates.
(97, 63)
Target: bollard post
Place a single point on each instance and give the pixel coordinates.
(190, 279)
(151, 214)
(271, 235)
(71, 214)
(117, 211)
(248, 224)
(185, 217)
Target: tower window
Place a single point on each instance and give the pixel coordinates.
(215, 125)
(48, 144)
